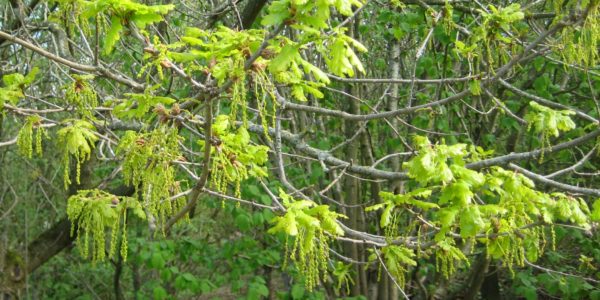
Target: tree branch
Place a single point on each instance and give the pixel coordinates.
(99, 70)
(505, 159)
(556, 184)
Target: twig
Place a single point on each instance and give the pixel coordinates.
(390, 275)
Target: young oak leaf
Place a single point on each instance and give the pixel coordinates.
(471, 221)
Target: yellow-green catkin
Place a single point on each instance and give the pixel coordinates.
(265, 89)
(542, 236)
(26, 138)
(553, 237)
(148, 167)
(40, 132)
(24, 141)
(82, 95)
(419, 239)
(93, 212)
(310, 256)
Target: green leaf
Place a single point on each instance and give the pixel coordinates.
(475, 87)
(471, 222)
(160, 293)
(113, 34)
(257, 290)
(31, 76)
(458, 193)
(282, 61)
(243, 221)
(422, 204)
(375, 207)
(297, 291)
(277, 13)
(156, 261)
(446, 216)
(286, 224)
(399, 255)
(548, 121)
(386, 216)
(595, 215)
(13, 79)
(143, 20)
